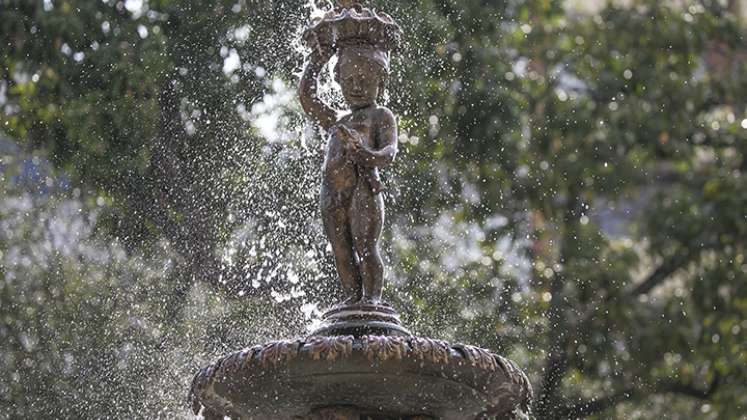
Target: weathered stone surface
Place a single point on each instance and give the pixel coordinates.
(352, 24)
(351, 413)
(376, 376)
(361, 319)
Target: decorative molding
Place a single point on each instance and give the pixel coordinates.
(330, 348)
(511, 386)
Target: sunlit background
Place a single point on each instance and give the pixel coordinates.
(570, 191)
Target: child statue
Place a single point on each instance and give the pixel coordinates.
(359, 143)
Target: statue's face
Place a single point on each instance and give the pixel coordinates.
(360, 78)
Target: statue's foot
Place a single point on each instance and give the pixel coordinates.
(351, 300)
(368, 300)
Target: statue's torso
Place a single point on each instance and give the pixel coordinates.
(339, 175)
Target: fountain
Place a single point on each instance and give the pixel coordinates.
(361, 363)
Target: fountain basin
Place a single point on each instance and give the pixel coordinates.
(378, 377)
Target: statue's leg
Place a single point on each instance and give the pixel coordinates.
(337, 227)
(367, 219)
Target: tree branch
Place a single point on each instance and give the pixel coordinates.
(598, 405)
(658, 276)
(662, 273)
(690, 390)
(557, 359)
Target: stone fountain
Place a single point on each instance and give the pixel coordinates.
(362, 363)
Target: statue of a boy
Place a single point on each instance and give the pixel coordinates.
(359, 143)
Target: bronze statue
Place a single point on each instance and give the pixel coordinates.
(359, 143)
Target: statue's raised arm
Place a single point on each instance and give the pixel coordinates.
(308, 91)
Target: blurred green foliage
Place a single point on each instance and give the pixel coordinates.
(570, 191)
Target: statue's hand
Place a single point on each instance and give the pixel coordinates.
(321, 54)
(351, 137)
(363, 156)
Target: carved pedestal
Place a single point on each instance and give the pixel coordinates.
(368, 377)
(360, 319)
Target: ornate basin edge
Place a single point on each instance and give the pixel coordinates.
(274, 356)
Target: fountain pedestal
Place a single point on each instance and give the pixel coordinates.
(361, 319)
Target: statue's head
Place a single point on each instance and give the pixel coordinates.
(363, 40)
(362, 72)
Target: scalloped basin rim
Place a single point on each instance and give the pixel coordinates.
(280, 380)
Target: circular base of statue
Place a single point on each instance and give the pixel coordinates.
(359, 319)
(376, 376)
